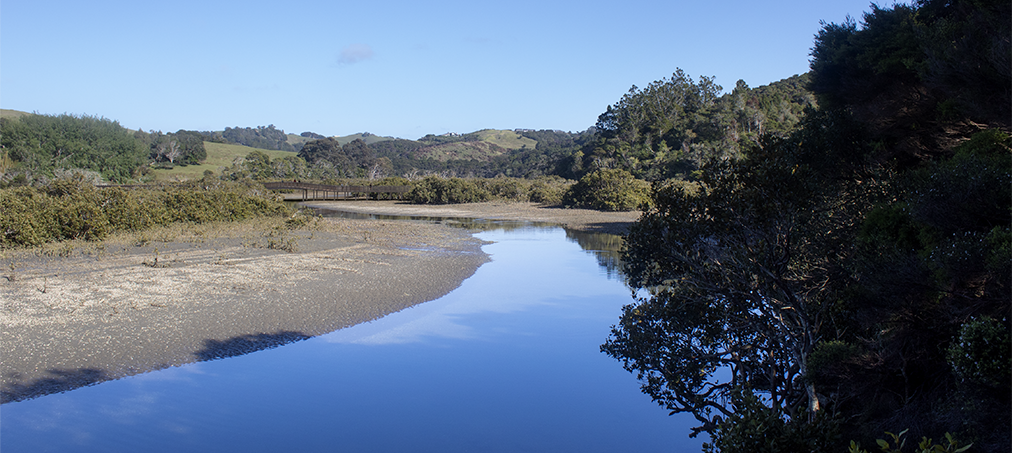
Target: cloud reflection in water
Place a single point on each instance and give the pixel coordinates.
(534, 266)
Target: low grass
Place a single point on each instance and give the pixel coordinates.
(8, 113)
(506, 139)
(218, 155)
(480, 151)
(364, 136)
(298, 140)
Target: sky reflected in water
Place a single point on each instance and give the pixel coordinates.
(507, 362)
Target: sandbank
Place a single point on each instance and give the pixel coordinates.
(76, 314)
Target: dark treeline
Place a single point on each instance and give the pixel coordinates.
(632, 135)
(666, 130)
(412, 158)
(674, 125)
(844, 271)
(261, 137)
(351, 160)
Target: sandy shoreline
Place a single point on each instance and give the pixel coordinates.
(129, 306)
(578, 219)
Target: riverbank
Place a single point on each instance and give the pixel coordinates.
(578, 219)
(74, 314)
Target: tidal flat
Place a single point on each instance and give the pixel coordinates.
(75, 314)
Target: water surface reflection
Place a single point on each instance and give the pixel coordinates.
(507, 362)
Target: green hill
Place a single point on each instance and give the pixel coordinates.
(218, 155)
(478, 150)
(504, 138)
(297, 140)
(483, 145)
(8, 113)
(364, 136)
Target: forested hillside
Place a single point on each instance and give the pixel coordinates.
(846, 273)
(666, 130)
(484, 153)
(674, 125)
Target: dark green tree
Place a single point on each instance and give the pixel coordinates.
(608, 190)
(854, 268)
(327, 149)
(40, 144)
(182, 147)
(262, 137)
(737, 274)
(671, 127)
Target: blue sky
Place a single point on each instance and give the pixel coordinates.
(397, 68)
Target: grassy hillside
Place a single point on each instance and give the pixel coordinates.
(504, 138)
(218, 155)
(481, 145)
(297, 140)
(367, 137)
(7, 113)
(480, 151)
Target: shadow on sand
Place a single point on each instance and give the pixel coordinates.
(245, 344)
(64, 380)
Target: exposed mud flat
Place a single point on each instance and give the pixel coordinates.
(80, 313)
(578, 219)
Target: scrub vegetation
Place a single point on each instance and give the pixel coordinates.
(820, 261)
(73, 208)
(850, 278)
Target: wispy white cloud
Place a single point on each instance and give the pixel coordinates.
(355, 53)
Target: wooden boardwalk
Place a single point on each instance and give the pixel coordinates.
(310, 191)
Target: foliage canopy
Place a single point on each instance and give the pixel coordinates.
(848, 277)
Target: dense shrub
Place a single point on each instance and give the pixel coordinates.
(608, 190)
(27, 217)
(502, 188)
(754, 427)
(389, 181)
(435, 190)
(549, 190)
(40, 144)
(980, 353)
(75, 209)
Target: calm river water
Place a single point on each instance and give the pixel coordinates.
(508, 362)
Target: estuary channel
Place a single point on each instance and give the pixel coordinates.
(509, 361)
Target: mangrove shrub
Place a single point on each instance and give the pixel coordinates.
(608, 190)
(75, 209)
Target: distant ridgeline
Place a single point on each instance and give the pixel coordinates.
(665, 130)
